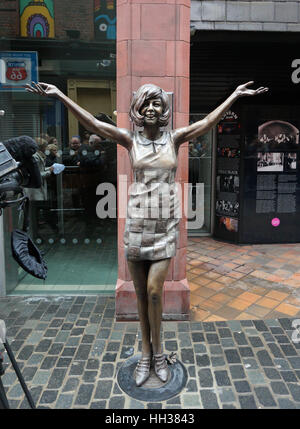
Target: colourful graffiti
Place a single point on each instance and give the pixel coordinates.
(105, 19)
(37, 18)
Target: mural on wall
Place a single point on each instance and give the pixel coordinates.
(105, 19)
(37, 18)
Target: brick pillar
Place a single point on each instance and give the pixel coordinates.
(153, 46)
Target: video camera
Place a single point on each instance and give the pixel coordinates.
(18, 169)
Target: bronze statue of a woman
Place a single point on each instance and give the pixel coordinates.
(150, 236)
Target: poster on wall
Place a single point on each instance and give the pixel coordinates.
(105, 20)
(271, 200)
(17, 69)
(227, 202)
(37, 18)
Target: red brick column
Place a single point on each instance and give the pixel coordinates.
(153, 46)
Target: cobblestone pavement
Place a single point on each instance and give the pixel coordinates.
(69, 350)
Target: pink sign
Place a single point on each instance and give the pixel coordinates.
(275, 221)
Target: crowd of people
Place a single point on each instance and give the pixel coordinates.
(94, 160)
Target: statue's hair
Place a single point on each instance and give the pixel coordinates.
(145, 92)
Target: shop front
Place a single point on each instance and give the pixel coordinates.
(79, 242)
(255, 167)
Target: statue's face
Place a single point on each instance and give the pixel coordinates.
(152, 109)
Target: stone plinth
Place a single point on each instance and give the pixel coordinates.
(153, 46)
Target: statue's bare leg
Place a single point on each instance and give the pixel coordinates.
(155, 283)
(139, 273)
(156, 278)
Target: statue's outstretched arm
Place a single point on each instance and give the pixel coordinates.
(108, 131)
(201, 127)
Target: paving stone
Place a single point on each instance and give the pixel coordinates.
(134, 404)
(260, 325)
(98, 405)
(171, 346)
(191, 386)
(242, 386)
(275, 350)
(226, 395)
(154, 406)
(202, 360)
(187, 356)
(197, 337)
(64, 401)
(55, 349)
(272, 373)
(103, 389)
(240, 338)
(282, 364)
(279, 388)
(90, 376)
(222, 378)
(212, 339)
(116, 402)
(83, 352)
(48, 396)
(229, 407)
(227, 342)
(225, 333)
(64, 362)
(25, 353)
(84, 394)
(255, 342)
(232, 356)
(205, 377)
(246, 352)
(217, 361)
(200, 348)
(237, 372)
(215, 350)
(247, 402)
(71, 384)
(49, 362)
(288, 376)
(264, 358)
(209, 399)
(286, 404)
(295, 391)
(294, 362)
(77, 368)
(256, 377)
(264, 396)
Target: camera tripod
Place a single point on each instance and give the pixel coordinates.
(3, 399)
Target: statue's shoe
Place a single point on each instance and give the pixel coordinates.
(161, 367)
(142, 370)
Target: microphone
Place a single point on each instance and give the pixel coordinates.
(2, 112)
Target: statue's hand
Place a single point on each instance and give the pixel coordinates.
(243, 90)
(44, 89)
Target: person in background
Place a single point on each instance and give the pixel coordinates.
(86, 136)
(51, 154)
(71, 155)
(40, 210)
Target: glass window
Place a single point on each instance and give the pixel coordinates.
(77, 55)
(201, 187)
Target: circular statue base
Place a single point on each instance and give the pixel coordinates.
(153, 389)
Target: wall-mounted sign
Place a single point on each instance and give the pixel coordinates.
(17, 69)
(271, 175)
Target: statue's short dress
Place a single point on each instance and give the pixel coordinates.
(153, 210)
